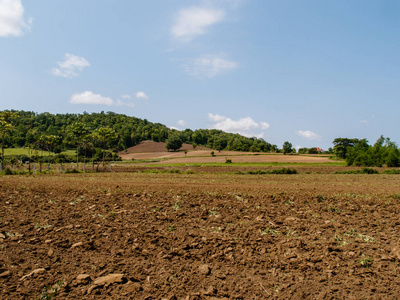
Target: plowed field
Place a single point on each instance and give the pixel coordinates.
(199, 236)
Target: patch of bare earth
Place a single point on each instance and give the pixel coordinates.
(199, 236)
(157, 150)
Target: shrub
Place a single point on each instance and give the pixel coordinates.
(173, 171)
(369, 171)
(7, 171)
(393, 171)
(275, 171)
(68, 171)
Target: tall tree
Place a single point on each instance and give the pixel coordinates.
(174, 142)
(6, 125)
(78, 132)
(287, 147)
(104, 137)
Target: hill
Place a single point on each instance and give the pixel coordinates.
(33, 130)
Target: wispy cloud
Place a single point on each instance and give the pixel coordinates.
(209, 66)
(194, 21)
(181, 123)
(141, 95)
(244, 126)
(12, 20)
(70, 67)
(308, 135)
(126, 96)
(91, 98)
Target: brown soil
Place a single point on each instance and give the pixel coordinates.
(154, 150)
(199, 236)
(151, 146)
(266, 158)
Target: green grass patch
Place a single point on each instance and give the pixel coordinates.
(391, 171)
(260, 164)
(25, 151)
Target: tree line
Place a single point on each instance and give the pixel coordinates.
(93, 133)
(357, 152)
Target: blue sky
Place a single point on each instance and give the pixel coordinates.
(300, 71)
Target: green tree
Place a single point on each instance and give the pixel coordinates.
(48, 142)
(78, 132)
(174, 142)
(287, 147)
(6, 125)
(104, 138)
(342, 145)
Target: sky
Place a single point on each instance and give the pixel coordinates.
(304, 71)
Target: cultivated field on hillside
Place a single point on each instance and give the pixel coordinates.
(199, 236)
(149, 150)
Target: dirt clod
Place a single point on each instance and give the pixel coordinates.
(204, 269)
(83, 279)
(5, 274)
(34, 272)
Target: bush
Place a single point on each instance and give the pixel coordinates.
(393, 171)
(363, 171)
(275, 171)
(73, 171)
(173, 171)
(7, 171)
(369, 171)
(190, 172)
(284, 171)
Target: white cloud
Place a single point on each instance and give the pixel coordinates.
(126, 96)
(70, 66)
(89, 97)
(264, 125)
(141, 95)
(243, 126)
(181, 123)
(308, 135)
(122, 103)
(209, 66)
(194, 21)
(12, 21)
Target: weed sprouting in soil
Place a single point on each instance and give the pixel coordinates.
(213, 212)
(50, 292)
(334, 209)
(396, 196)
(365, 261)
(38, 226)
(289, 232)
(365, 238)
(177, 206)
(270, 231)
(340, 241)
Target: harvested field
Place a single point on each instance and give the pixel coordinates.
(199, 236)
(152, 150)
(220, 158)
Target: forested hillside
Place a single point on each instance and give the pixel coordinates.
(63, 131)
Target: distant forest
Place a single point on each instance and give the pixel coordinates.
(30, 128)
